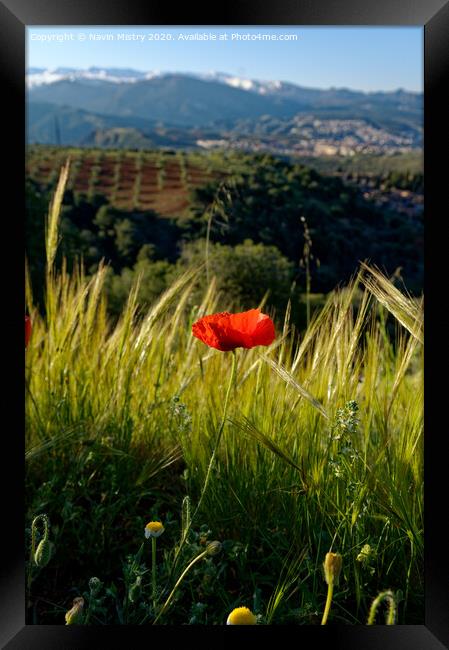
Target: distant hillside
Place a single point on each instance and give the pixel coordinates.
(66, 126)
(174, 99)
(83, 102)
(130, 138)
(52, 124)
(128, 206)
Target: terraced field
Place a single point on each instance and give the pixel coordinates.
(130, 180)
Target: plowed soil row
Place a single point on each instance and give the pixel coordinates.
(129, 180)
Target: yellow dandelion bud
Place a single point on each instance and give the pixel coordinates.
(241, 616)
(332, 567)
(75, 615)
(154, 529)
(213, 548)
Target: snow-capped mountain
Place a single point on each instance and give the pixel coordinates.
(41, 76)
(111, 97)
(36, 77)
(261, 87)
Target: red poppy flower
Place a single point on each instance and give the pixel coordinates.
(227, 331)
(27, 329)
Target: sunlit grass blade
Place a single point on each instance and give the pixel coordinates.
(283, 591)
(250, 429)
(52, 223)
(407, 310)
(289, 379)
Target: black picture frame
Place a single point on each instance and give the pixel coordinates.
(433, 15)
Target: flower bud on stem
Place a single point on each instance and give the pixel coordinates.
(332, 567)
(40, 556)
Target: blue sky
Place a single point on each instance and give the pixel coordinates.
(362, 58)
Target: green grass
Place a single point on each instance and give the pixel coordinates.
(120, 428)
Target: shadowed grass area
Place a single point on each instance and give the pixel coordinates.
(321, 450)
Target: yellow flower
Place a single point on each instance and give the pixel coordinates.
(332, 567)
(241, 616)
(154, 529)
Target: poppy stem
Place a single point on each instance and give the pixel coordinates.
(219, 434)
(330, 592)
(212, 459)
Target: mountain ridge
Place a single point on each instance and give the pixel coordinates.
(216, 104)
(37, 76)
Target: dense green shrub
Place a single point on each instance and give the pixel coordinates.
(244, 273)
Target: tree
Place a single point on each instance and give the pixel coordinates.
(244, 273)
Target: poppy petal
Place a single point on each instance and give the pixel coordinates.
(264, 334)
(28, 328)
(225, 331)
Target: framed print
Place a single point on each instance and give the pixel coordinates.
(225, 415)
